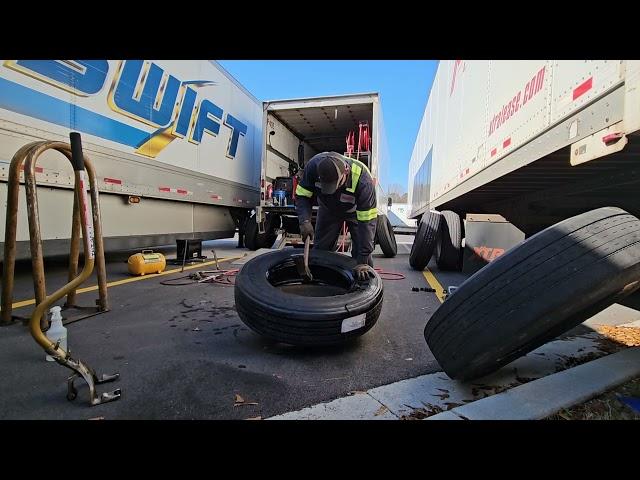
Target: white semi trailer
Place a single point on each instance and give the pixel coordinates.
(534, 141)
(293, 132)
(176, 146)
(552, 147)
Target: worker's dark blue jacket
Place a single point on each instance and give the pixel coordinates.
(355, 199)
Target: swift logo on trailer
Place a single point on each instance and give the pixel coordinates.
(140, 90)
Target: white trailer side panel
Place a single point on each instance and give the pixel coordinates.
(184, 135)
(480, 112)
(578, 82)
(518, 104)
(466, 121)
(380, 168)
(418, 196)
(437, 136)
(195, 120)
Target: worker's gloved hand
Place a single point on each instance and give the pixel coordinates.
(363, 272)
(306, 230)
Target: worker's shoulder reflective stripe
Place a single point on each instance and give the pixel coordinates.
(361, 165)
(367, 215)
(303, 192)
(356, 171)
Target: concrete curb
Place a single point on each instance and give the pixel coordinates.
(428, 394)
(540, 398)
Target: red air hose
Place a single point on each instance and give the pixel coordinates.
(389, 275)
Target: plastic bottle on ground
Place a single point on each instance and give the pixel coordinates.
(56, 331)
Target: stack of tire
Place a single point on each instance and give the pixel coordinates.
(439, 233)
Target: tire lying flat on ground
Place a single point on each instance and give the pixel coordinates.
(385, 236)
(536, 291)
(254, 240)
(272, 301)
(425, 240)
(448, 247)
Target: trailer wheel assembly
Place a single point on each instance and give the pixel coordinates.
(255, 240)
(385, 237)
(273, 300)
(536, 291)
(425, 240)
(448, 246)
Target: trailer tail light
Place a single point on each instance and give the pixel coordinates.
(262, 183)
(261, 195)
(612, 138)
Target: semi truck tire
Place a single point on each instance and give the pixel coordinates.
(254, 240)
(271, 299)
(547, 285)
(385, 237)
(448, 247)
(425, 240)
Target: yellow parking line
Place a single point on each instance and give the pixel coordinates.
(24, 303)
(434, 283)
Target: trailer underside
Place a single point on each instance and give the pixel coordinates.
(550, 189)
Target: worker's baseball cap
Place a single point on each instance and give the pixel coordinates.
(330, 168)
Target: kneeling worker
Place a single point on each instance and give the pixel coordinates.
(346, 192)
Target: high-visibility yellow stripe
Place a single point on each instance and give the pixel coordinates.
(366, 215)
(303, 192)
(362, 165)
(25, 303)
(434, 283)
(356, 171)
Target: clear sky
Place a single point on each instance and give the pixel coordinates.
(403, 86)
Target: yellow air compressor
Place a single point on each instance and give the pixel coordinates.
(147, 261)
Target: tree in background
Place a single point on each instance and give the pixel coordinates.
(397, 193)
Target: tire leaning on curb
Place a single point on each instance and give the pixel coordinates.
(305, 320)
(425, 240)
(385, 236)
(536, 291)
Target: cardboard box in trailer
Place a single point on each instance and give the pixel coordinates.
(534, 141)
(183, 137)
(296, 130)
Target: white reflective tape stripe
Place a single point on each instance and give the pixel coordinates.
(179, 191)
(37, 169)
(84, 214)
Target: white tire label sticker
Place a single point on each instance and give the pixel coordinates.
(353, 323)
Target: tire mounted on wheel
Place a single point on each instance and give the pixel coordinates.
(425, 240)
(385, 237)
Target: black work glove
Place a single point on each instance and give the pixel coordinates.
(363, 272)
(306, 230)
